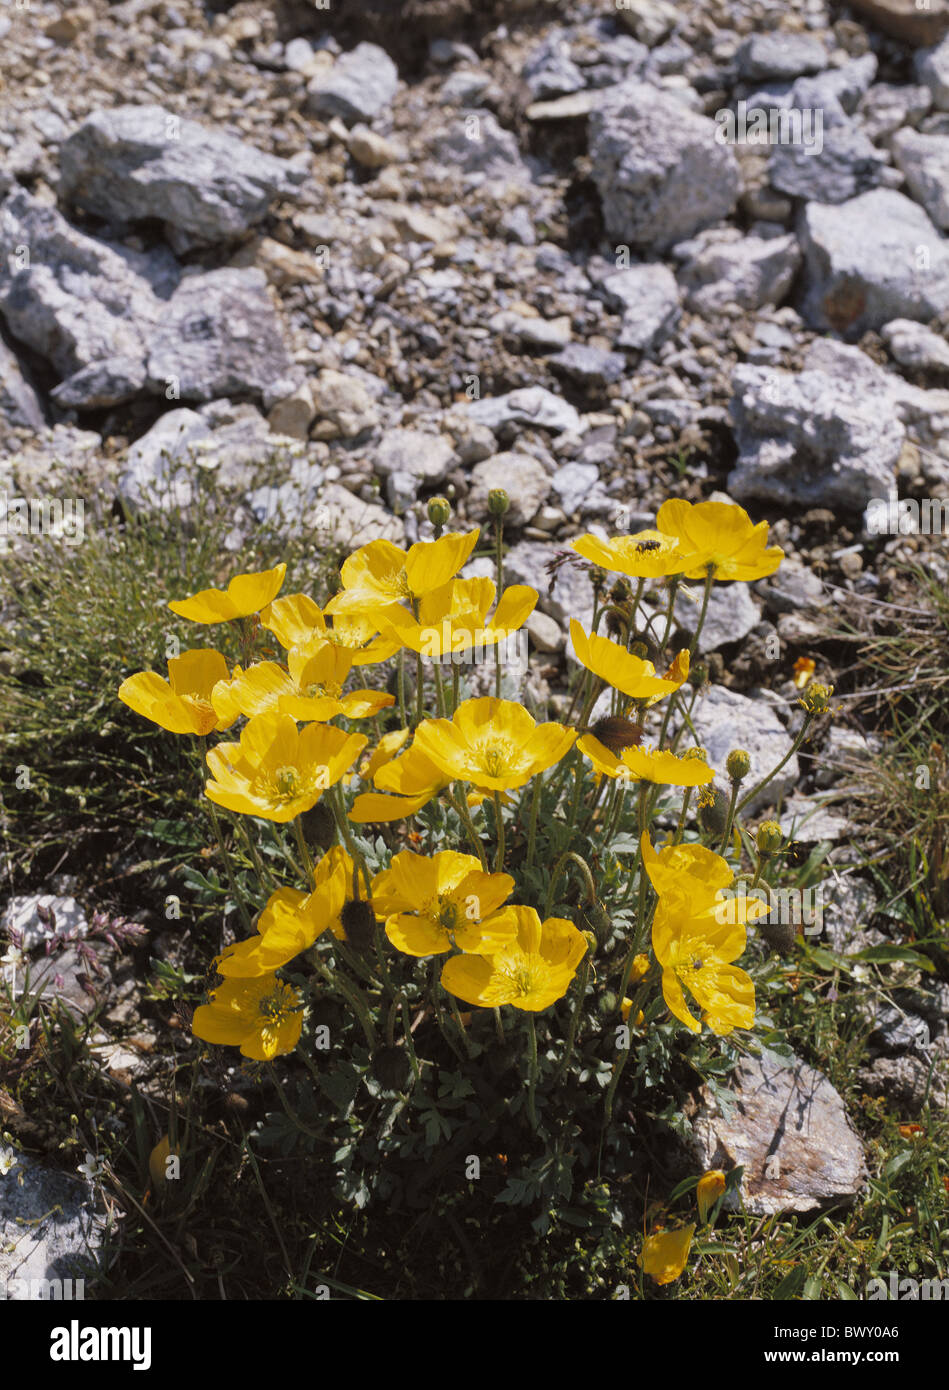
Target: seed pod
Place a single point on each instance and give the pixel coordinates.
(595, 918)
(780, 936)
(319, 827)
(617, 734)
(359, 923)
(391, 1068)
(713, 811)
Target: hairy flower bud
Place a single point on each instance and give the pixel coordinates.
(738, 764)
(713, 810)
(439, 511)
(769, 837)
(498, 502)
(319, 827)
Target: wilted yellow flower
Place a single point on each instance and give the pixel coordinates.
(531, 973)
(182, 704)
(804, 668)
(246, 594)
(278, 771)
(384, 751)
(263, 1017)
(710, 1187)
(430, 905)
(720, 534)
(292, 921)
(494, 744)
(379, 574)
(311, 689)
(646, 555)
(628, 674)
(646, 765)
(296, 621)
(665, 1254)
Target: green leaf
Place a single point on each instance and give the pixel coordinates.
(885, 955)
(791, 1285)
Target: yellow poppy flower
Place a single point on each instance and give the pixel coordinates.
(628, 674)
(311, 689)
(181, 704)
(665, 1254)
(296, 621)
(384, 751)
(291, 922)
(697, 952)
(646, 765)
(646, 555)
(453, 618)
(263, 1017)
(710, 1187)
(430, 905)
(494, 744)
(532, 973)
(246, 594)
(720, 534)
(277, 771)
(413, 779)
(379, 575)
(697, 880)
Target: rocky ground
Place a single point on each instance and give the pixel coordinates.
(388, 251)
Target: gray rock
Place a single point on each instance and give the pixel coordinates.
(22, 916)
(924, 159)
(661, 173)
(848, 904)
(731, 615)
(341, 519)
(875, 258)
(847, 165)
(932, 69)
(812, 820)
(913, 345)
(531, 405)
(358, 87)
(102, 383)
(344, 403)
(474, 143)
(219, 335)
(907, 1082)
(725, 720)
(163, 469)
(845, 753)
(579, 488)
(789, 1130)
(647, 296)
(78, 302)
(549, 334)
(886, 107)
(792, 588)
(133, 162)
(728, 268)
(550, 71)
(648, 20)
(570, 595)
(836, 87)
(525, 481)
(425, 457)
(780, 55)
(811, 438)
(51, 1227)
(924, 413)
(590, 366)
(19, 403)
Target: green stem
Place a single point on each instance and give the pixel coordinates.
(578, 1003)
(304, 853)
(808, 720)
(532, 821)
(532, 1073)
(499, 820)
(730, 818)
(351, 993)
(241, 907)
(460, 804)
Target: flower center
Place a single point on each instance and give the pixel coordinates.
(332, 690)
(279, 1004)
(447, 913)
(495, 759)
(287, 781)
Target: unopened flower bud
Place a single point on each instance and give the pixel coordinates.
(640, 968)
(590, 938)
(620, 592)
(639, 649)
(439, 511)
(738, 764)
(498, 502)
(319, 827)
(769, 837)
(697, 753)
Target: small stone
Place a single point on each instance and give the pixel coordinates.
(789, 1130)
(358, 87)
(531, 405)
(589, 366)
(545, 633)
(913, 345)
(780, 56)
(344, 403)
